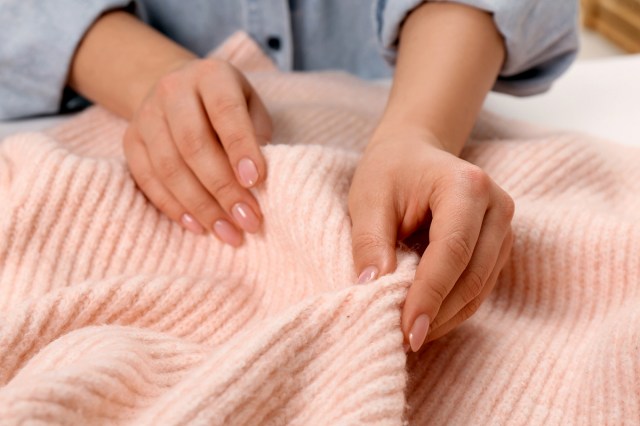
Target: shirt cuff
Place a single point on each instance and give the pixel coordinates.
(35, 60)
(541, 38)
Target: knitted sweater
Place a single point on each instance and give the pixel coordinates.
(112, 314)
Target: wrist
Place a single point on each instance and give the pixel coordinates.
(404, 130)
(120, 59)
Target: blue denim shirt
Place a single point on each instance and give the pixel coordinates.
(359, 36)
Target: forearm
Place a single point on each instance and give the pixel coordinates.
(449, 57)
(120, 59)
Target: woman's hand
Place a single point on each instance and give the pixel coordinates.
(196, 125)
(193, 147)
(410, 177)
(406, 181)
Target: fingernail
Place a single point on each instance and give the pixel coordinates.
(248, 172)
(245, 217)
(227, 233)
(369, 273)
(405, 346)
(419, 332)
(191, 224)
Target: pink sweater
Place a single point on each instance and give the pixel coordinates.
(112, 314)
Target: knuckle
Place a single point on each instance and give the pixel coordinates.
(223, 188)
(164, 204)
(477, 180)
(509, 207)
(459, 249)
(474, 283)
(192, 143)
(168, 167)
(469, 309)
(226, 105)
(210, 66)
(236, 140)
(437, 292)
(148, 110)
(202, 207)
(168, 85)
(144, 179)
(368, 242)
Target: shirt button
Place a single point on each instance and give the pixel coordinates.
(274, 42)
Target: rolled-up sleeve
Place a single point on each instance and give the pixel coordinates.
(541, 37)
(39, 39)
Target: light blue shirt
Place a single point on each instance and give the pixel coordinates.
(359, 36)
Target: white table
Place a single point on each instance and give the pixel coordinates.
(596, 96)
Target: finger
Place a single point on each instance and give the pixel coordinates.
(180, 181)
(228, 112)
(374, 231)
(457, 221)
(471, 307)
(261, 119)
(200, 149)
(483, 262)
(142, 172)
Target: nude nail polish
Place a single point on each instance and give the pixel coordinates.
(418, 332)
(191, 224)
(245, 217)
(369, 273)
(227, 233)
(248, 172)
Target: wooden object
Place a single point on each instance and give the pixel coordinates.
(618, 20)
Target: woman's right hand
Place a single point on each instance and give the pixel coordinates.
(193, 148)
(196, 125)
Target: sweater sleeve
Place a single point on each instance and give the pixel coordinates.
(541, 38)
(39, 39)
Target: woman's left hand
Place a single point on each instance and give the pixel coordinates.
(406, 179)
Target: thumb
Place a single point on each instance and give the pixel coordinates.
(374, 232)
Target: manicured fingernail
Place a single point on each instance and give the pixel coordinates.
(245, 217)
(406, 347)
(368, 274)
(227, 233)
(419, 332)
(248, 172)
(191, 224)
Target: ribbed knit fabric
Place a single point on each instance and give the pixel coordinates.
(112, 314)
